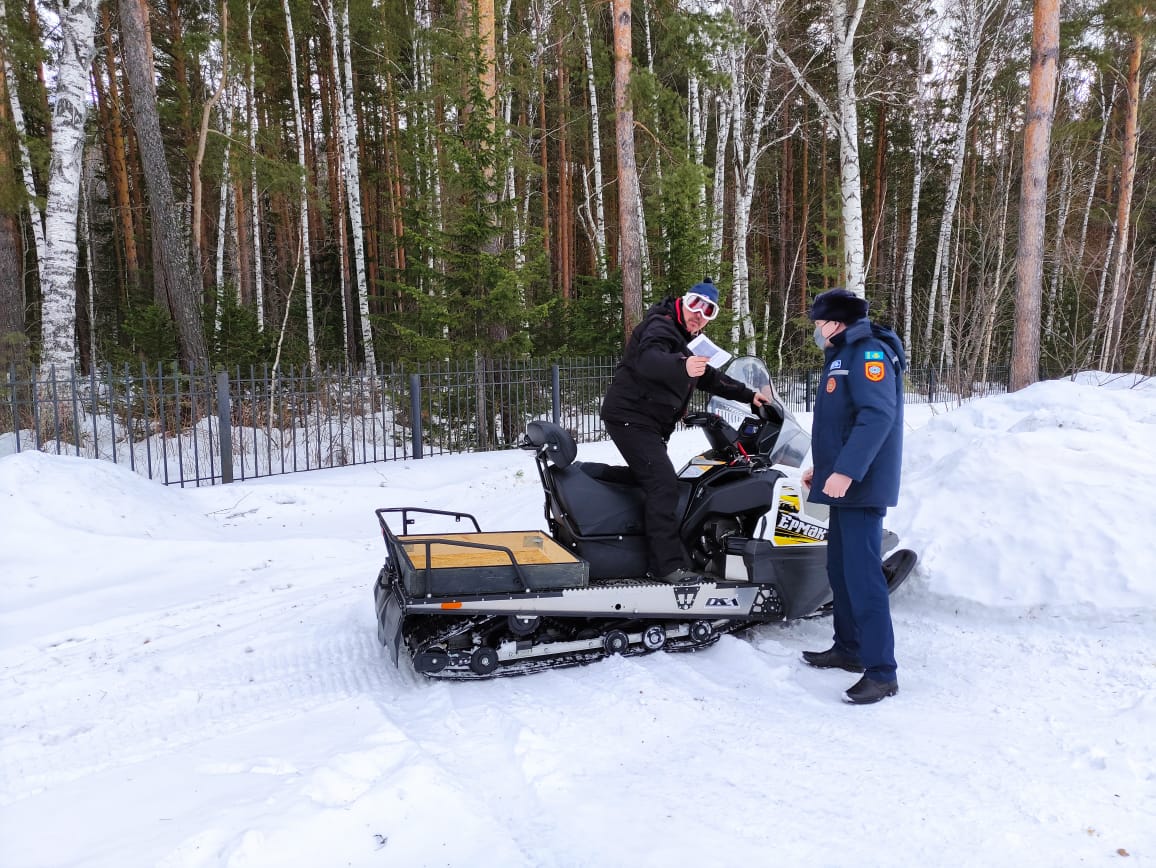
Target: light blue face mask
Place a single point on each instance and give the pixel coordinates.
(820, 341)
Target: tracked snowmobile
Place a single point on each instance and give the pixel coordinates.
(478, 605)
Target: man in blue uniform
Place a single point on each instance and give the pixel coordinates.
(652, 387)
(857, 446)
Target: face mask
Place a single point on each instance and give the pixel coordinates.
(820, 341)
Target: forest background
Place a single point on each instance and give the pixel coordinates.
(347, 182)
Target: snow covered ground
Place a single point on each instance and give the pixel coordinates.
(192, 678)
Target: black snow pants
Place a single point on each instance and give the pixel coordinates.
(645, 451)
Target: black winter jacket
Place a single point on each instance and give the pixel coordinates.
(651, 387)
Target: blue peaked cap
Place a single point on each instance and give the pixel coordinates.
(706, 289)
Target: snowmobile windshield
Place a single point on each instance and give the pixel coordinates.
(792, 443)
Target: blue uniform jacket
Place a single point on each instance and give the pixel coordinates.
(858, 421)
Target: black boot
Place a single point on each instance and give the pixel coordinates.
(868, 690)
(682, 577)
(832, 658)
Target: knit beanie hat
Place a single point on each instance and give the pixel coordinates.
(706, 289)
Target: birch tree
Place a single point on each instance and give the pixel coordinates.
(70, 109)
(303, 169)
(254, 194)
(975, 15)
(749, 123)
(843, 19)
(347, 129)
(1034, 196)
(597, 214)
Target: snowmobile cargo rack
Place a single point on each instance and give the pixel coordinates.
(478, 563)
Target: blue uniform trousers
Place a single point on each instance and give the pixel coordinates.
(862, 610)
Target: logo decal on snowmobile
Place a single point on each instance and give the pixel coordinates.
(830, 385)
(874, 370)
(722, 602)
(685, 596)
(793, 528)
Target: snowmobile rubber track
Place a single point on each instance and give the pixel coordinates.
(507, 654)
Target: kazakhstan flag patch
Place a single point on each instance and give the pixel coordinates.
(873, 355)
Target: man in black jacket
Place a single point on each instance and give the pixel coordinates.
(652, 387)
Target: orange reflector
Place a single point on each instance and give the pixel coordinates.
(451, 605)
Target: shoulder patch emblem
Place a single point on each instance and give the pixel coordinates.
(875, 371)
(838, 363)
(830, 385)
(873, 355)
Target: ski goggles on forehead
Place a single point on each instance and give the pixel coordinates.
(701, 305)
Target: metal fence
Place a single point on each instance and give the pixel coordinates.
(212, 428)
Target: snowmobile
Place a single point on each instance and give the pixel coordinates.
(478, 605)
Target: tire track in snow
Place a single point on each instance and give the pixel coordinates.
(158, 711)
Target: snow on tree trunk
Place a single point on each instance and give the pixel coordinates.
(306, 255)
(70, 108)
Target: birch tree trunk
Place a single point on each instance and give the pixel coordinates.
(916, 189)
(718, 191)
(223, 221)
(70, 109)
(254, 193)
(1146, 352)
(1058, 245)
(202, 139)
(748, 148)
(1025, 362)
(630, 243)
(599, 211)
(947, 221)
(306, 253)
(845, 15)
(1111, 354)
(349, 142)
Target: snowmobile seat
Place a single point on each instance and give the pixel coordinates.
(562, 450)
(598, 499)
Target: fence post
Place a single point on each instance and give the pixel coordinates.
(556, 394)
(415, 412)
(931, 386)
(224, 426)
(807, 390)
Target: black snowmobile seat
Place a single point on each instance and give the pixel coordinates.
(598, 499)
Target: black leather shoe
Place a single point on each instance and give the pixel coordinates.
(832, 658)
(868, 690)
